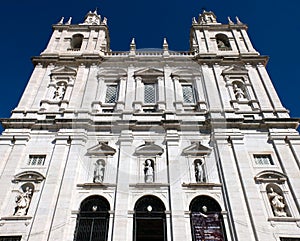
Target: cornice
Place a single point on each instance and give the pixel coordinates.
(207, 124)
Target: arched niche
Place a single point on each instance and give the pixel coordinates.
(149, 219)
(206, 219)
(92, 219)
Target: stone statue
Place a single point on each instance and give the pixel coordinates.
(148, 171)
(238, 92)
(23, 201)
(59, 92)
(277, 203)
(199, 170)
(221, 44)
(99, 171)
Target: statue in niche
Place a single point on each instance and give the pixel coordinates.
(238, 92)
(277, 203)
(99, 171)
(199, 170)
(221, 44)
(148, 170)
(22, 202)
(59, 92)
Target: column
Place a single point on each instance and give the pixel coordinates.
(139, 94)
(178, 94)
(176, 193)
(247, 41)
(201, 97)
(66, 192)
(121, 224)
(121, 98)
(43, 220)
(161, 102)
(271, 92)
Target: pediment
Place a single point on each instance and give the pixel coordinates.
(63, 70)
(270, 176)
(196, 149)
(235, 69)
(149, 149)
(111, 72)
(149, 72)
(186, 73)
(101, 149)
(28, 176)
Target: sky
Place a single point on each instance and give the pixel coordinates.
(274, 29)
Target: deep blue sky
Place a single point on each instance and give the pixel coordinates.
(274, 29)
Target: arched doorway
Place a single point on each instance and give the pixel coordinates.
(149, 220)
(92, 220)
(206, 220)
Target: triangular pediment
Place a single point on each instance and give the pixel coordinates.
(186, 72)
(28, 176)
(196, 149)
(63, 70)
(235, 69)
(149, 72)
(149, 149)
(101, 149)
(114, 72)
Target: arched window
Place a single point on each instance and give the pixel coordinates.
(206, 219)
(149, 219)
(92, 220)
(76, 41)
(223, 42)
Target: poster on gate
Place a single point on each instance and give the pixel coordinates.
(207, 227)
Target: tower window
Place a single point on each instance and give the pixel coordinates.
(76, 41)
(188, 94)
(111, 94)
(223, 42)
(36, 160)
(149, 93)
(263, 159)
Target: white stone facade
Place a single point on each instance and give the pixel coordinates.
(179, 128)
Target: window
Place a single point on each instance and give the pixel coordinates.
(111, 94)
(92, 220)
(36, 160)
(223, 42)
(76, 41)
(188, 94)
(149, 93)
(10, 238)
(263, 159)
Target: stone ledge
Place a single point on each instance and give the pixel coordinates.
(148, 185)
(284, 219)
(201, 185)
(96, 185)
(16, 218)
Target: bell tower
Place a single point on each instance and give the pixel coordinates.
(89, 37)
(210, 38)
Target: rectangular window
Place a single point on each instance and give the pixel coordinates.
(149, 93)
(263, 159)
(36, 160)
(111, 94)
(188, 94)
(10, 238)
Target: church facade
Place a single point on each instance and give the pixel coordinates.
(150, 145)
